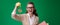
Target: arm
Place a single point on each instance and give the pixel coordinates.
(14, 15)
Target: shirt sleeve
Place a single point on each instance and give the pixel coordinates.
(17, 17)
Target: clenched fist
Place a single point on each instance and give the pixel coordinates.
(18, 4)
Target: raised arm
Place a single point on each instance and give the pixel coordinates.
(14, 15)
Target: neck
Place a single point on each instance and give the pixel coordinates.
(31, 14)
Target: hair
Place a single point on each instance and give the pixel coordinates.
(34, 11)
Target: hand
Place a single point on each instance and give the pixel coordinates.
(18, 4)
(43, 23)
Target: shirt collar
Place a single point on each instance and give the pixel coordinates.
(29, 15)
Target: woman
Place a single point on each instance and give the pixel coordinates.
(30, 18)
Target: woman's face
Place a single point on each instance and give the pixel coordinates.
(30, 8)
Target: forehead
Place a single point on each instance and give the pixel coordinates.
(29, 5)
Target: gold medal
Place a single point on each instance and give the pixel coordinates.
(18, 4)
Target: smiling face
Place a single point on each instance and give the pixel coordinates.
(30, 8)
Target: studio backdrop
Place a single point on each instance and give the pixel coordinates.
(47, 10)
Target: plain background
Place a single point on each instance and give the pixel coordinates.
(48, 10)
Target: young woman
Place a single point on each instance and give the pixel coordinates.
(30, 18)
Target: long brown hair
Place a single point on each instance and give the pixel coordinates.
(34, 11)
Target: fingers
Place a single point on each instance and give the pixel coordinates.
(18, 4)
(47, 23)
(43, 23)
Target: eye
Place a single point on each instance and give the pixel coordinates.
(29, 7)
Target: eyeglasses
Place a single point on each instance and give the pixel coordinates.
(30, 7)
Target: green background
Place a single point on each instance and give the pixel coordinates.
(47, 10)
